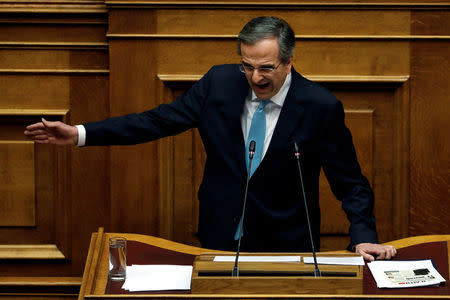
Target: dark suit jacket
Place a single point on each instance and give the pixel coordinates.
(275, 216)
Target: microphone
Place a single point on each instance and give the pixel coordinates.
(297, 156)
(251, 152)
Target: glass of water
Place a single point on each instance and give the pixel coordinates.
(117, 258)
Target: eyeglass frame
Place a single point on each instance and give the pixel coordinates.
(263, 70)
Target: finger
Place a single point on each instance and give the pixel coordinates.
(366, 256)
(381, 255)
(390, 251)
(388, 254)
(35, 126)
(34, 132)
(393, 251)
(49, 124)
(41, 137)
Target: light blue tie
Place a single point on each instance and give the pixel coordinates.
(256, 133)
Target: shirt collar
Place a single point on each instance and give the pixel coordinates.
(279, 97)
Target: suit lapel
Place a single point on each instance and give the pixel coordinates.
(291, 113)
(234, 112)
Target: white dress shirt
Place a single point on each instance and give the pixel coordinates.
(273, 109)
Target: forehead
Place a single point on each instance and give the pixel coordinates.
(262, 52)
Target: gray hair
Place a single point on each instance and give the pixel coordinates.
(267, 27)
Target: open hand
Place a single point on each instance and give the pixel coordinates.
(47, 132)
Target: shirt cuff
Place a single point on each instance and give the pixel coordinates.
(81, 135)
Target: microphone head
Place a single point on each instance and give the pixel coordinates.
(296, 150)
(252, 146)
(251, 149)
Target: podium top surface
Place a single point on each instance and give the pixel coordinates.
(151, 250)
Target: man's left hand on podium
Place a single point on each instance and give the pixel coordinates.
(371, 252)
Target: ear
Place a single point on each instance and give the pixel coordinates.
(289, 66)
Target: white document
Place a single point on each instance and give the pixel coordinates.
(157, 278)
(329, 260)
(402, 274)
(260, 258)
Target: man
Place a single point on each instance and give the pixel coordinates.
(265, 100)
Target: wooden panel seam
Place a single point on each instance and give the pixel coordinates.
(173, 78)
(52, 71)
(63, 7)
(53, 45)
(401, 160)
(40, 281)
(274, 4)
(297, 37)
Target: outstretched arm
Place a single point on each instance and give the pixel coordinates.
(47, 132)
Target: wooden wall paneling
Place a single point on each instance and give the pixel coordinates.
(17, 184)
(430, 166)
(334, 224)
(210, 22)
(134, 179)
(182, 158)
(61, 57)
(185, 46)
(37, 240)
(54, 63)
(51, 27)
(89, 166)
(373, 107)
(430, 145)
(401, 159)
(165, 173)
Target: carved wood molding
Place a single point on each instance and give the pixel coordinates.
(169, 79)
(53, 46)
(59, 6)
(53, 72)
(30, 252)
(28, 286)
(60, 247)
(381, 4)
(132, 36)
(40, 281)
(33, 112)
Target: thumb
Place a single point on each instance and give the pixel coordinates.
(48, 124)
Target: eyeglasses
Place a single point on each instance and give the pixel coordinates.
(246, 68)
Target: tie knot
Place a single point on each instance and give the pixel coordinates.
(262, 104)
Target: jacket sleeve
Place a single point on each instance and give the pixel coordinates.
(164, 120)
(339, 162)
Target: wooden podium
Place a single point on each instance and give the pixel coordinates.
(212, 277)
(266, 280)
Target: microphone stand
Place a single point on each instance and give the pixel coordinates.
(297, 156)
(251, 152)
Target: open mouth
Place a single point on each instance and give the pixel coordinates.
(262, 86)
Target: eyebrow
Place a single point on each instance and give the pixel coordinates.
(262, 66)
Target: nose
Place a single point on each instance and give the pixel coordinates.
(256, 76)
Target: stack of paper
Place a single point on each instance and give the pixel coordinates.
(157, 278)
(401, 274)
